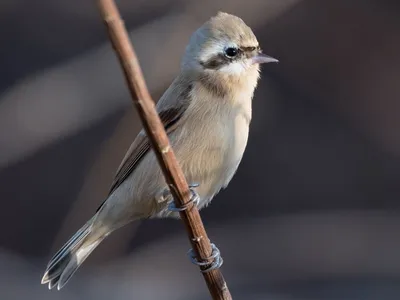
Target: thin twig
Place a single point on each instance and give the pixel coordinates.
(159, 140)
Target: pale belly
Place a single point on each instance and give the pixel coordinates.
(209, 154)
(216, 150)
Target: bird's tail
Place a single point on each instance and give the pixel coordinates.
(68, 259)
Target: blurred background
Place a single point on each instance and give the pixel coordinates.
(313, 210)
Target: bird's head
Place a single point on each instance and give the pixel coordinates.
(224, 47)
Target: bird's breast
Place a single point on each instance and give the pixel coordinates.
(210, 146)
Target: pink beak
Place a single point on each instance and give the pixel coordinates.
(261, 58)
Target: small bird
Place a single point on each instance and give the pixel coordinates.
(206, 113)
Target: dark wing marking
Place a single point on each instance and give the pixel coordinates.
(169, 117)
(142, 146)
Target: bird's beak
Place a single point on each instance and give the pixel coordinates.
(261, 58)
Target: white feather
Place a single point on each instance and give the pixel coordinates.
(235, 68)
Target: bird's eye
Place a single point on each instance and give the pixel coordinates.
(231, 52)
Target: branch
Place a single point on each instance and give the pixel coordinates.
(160, 143)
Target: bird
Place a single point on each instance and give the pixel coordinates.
(206, 113)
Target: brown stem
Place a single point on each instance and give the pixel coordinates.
(159, 140)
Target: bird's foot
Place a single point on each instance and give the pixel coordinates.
(194, 200)
(213, 262)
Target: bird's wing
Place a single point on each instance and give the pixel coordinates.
(170, 108)
(141, 146)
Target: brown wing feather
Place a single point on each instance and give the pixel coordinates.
(169, 116)
(142, 145)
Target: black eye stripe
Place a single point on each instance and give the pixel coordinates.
(216, 62)
(250, 49)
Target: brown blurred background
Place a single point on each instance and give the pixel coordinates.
(313, 210)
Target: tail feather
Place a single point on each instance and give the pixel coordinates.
(53, 282)
(72, 243)
(68, 259)
(76, 261)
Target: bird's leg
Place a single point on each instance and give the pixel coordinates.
(165, 196)
(213, 262)
(194, 200)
